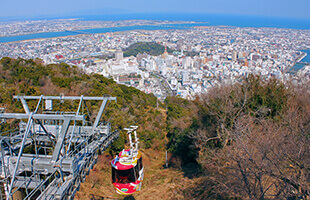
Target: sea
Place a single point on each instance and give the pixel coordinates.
(205, 19)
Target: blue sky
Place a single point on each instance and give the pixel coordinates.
(277, 8)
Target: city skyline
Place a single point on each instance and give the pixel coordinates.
(57, 8)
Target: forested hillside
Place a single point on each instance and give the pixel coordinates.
(244, 141)
(150, 48)
(251, 140)
(29, 77)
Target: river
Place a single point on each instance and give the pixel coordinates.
(100, 30)
(206, 19)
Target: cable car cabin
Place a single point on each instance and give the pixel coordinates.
(127, 172)
(127, 168)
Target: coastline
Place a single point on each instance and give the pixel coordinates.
(67, 33)
(102, 27)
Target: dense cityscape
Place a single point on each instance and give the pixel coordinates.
(202, 56)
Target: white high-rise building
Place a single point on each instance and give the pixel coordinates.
(185, 78)
(119, 55)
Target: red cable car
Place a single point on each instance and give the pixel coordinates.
(127, 168)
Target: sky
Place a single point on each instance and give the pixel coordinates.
(275, 8)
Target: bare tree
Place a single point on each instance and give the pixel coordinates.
(265, 153)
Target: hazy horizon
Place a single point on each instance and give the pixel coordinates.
(56, 9)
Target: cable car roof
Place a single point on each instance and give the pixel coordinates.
(126, 159)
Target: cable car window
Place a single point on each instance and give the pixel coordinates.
(113, 175)
(140, 163)
(137, 171)
(123, 176)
